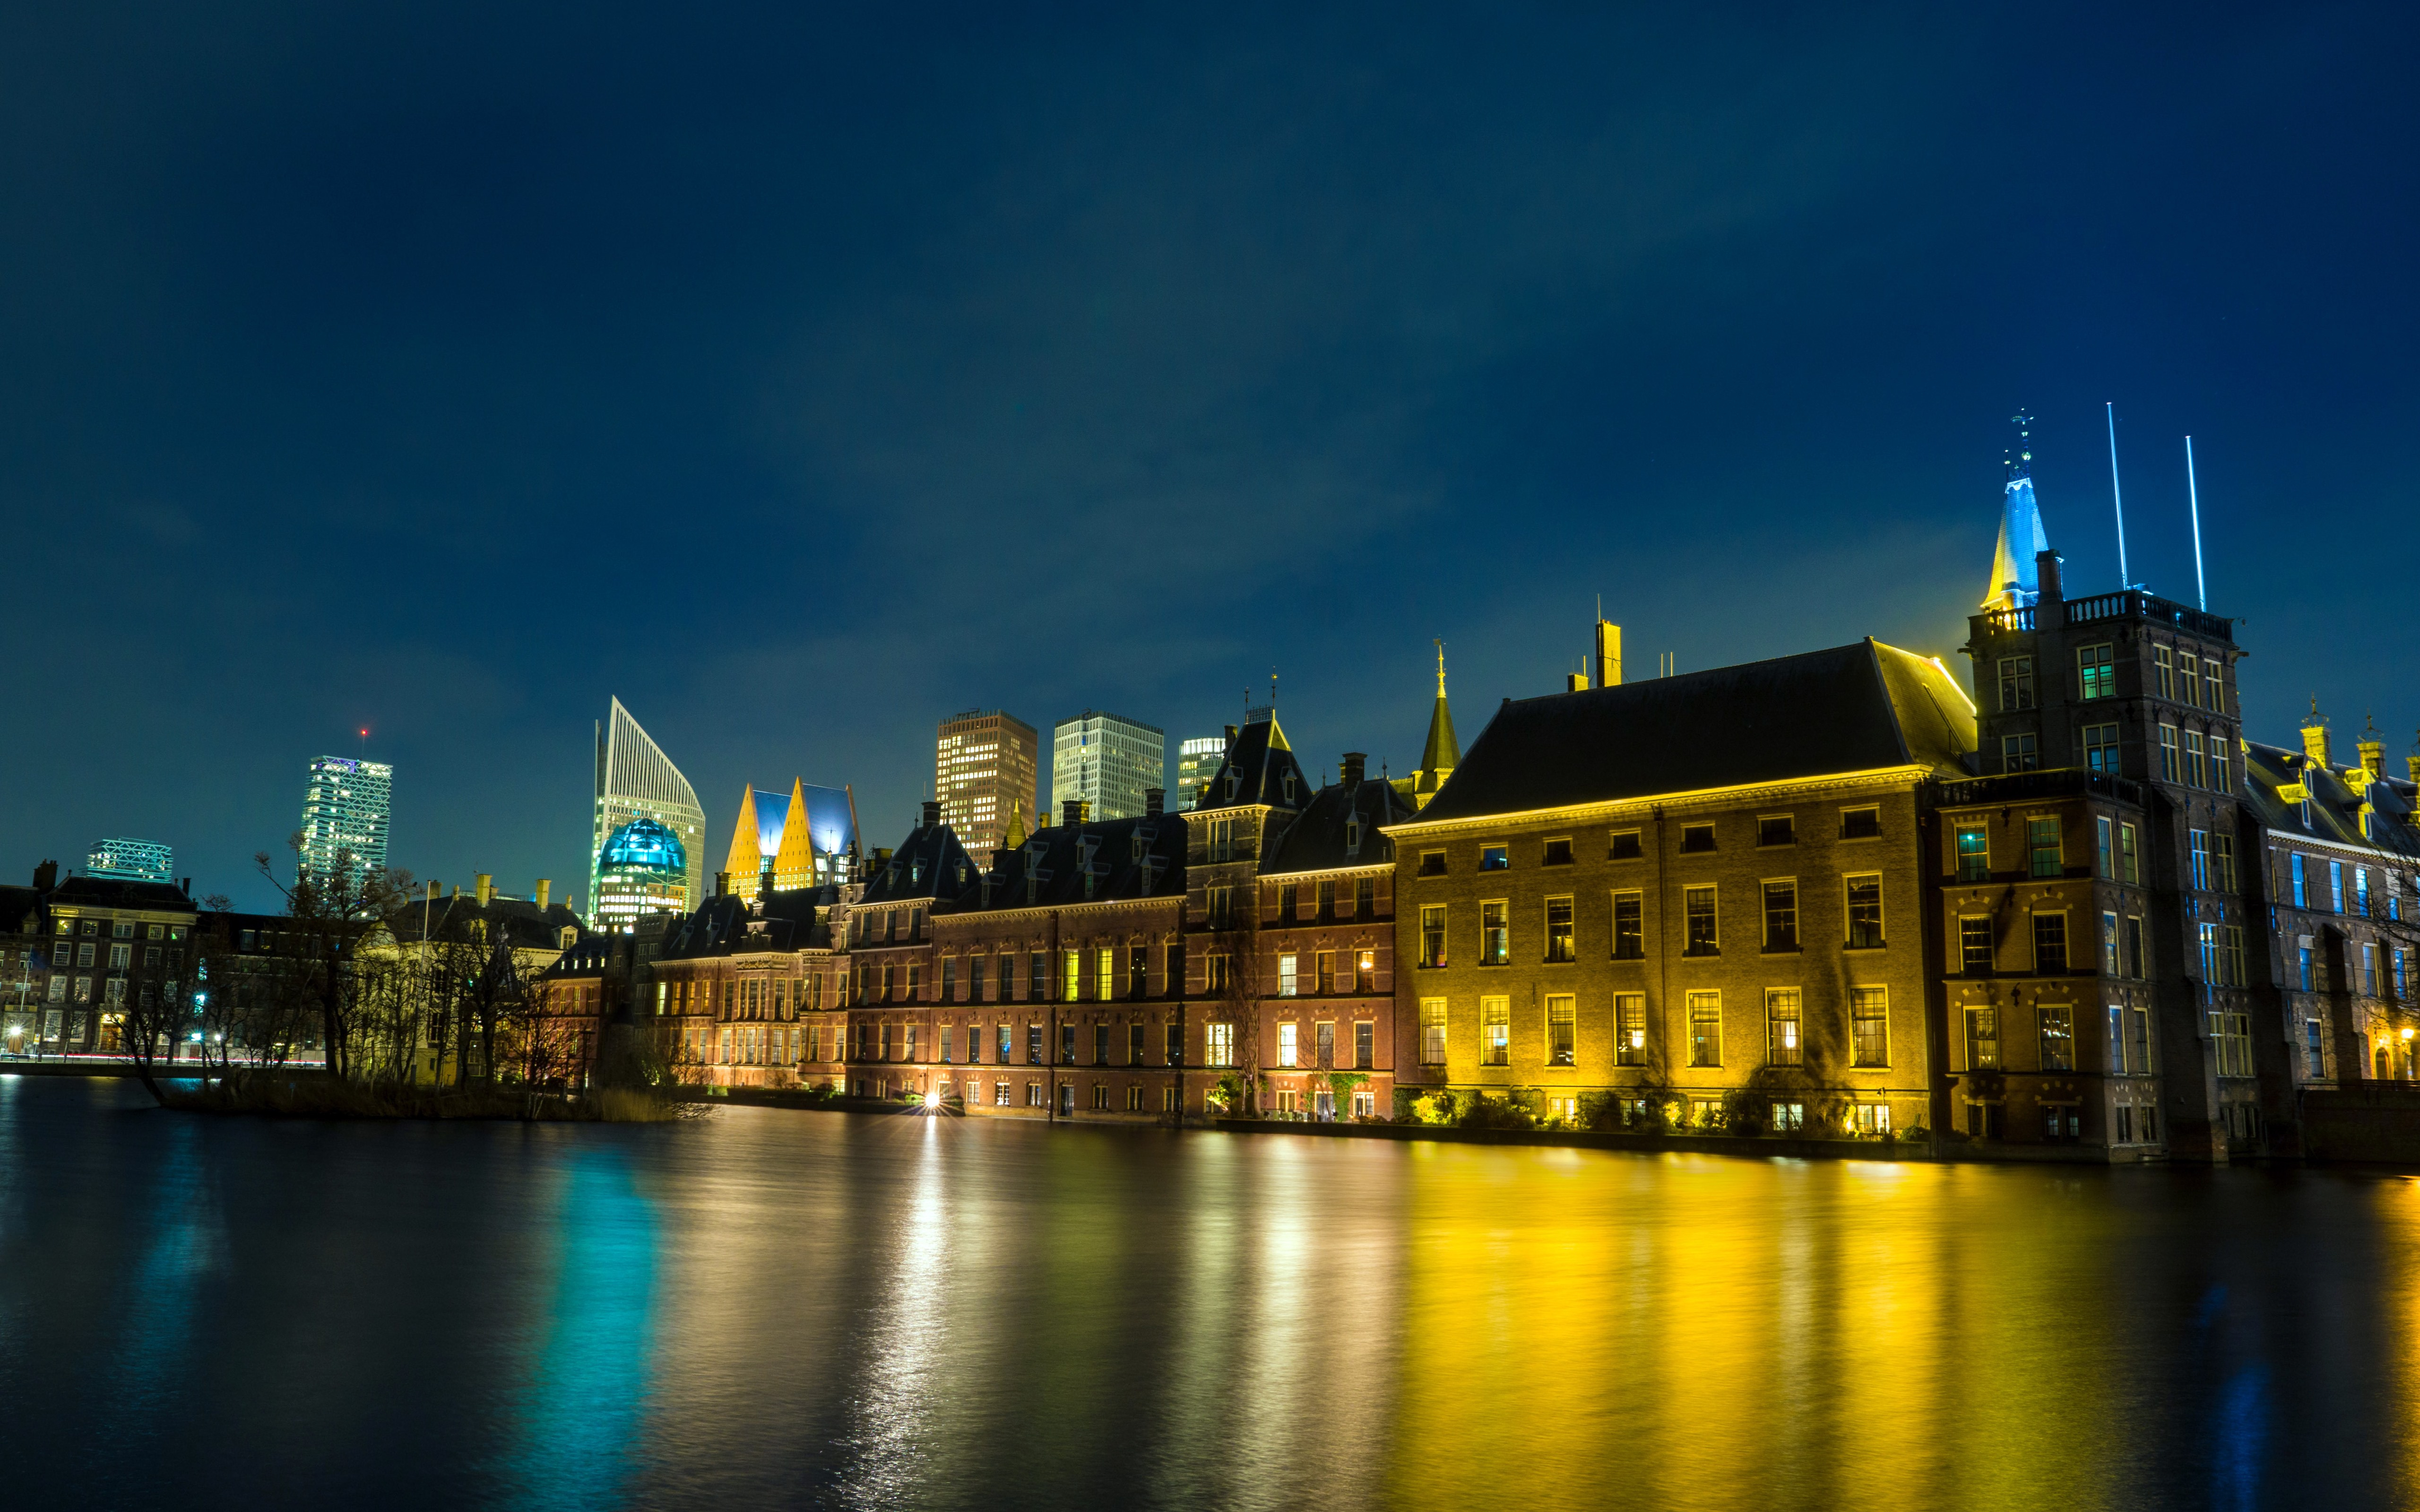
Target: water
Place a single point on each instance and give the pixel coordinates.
(829, 1310)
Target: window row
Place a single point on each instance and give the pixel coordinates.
(1359, 901)
(2332, 898)
(1784, 1039)
(2054, 1029)
(1861, 822)
(1861, 897)
(1321, 979)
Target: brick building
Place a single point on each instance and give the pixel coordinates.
(752, 992)
(79, 949)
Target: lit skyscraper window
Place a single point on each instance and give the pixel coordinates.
(130, 861)
(1197, 762)
(1107, 761)
(345, 809)
(984, 764)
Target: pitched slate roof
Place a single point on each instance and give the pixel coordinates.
(1848, 709)
(1259, 768)
(1323, 837)
(111, 892)
(2336, 803)
(799, 920)
(519, 920)
(929, 865)
(1096, 861)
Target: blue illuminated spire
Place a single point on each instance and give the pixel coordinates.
(2013, 584)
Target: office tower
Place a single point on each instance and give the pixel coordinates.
(1106, 761)
(1197, 762)
(802, 840)
(345, 809)
(130, 861)
(984, 765)
(636, 780)
(643, 869)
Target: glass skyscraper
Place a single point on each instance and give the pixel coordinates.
(344, 809)
(636, 780)
(982, 772)
(1197, 762)
(1107, 761)
(130, 861)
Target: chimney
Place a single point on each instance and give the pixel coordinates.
(185, 886)
(1155, 802)
(2373, 759)
(1349, 770)
(432, 889)
(1608, 655)
(457, 892)
(1075, 811)
(1575, 683)
(2315, 736)
(1231, 734)
(2046, 575)
(545, 885)
(722, 883)
(487, 886)
(932, 813)
(46, 877)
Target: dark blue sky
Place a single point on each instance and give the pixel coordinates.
(802, 378)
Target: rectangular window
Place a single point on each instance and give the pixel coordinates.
(1629, 934)
(1560, 945)
(1071, 974)
(1630, 1028)
(1560, 1017)
(2403, 981)
(1696, 837)
(1038, 982)
(2168, 752)
(2221, 861)
(1861, 824)
(1495, 859)
(1286, 979)
(1496, 1031)
(2230, 956)
(2196, 770)
(2314, 1062)
(1134, 1044)
(2101, 749)
(1005, 983)
(947, 1046)
(2197, 857)
(1869, 1025)
(1494, 936)
(1782, 916)
(1105, 973)
(2129, 869)
(2294, 865)
(1221, 902)
(948, 978)
(1326, 962)
(2361, 890)
(1432, 1031)
(2043, 856)
(1777, 830)
(1100, 1044)
(1705, 1028)
(2206, 940)
(2213, 684)
(2305, 977)
(1433, 934)
(1365, 896)
(2050, 944)
(1326, 898)
(1559, 853)
(2138, 1048)
(2058, 1037)
(2335, 887)
(1625, 846)
(1365, 971)
(1138, 971)
(1974, 850)
(1219, 1045)
(2188, 677)
(1033, 1044)
(1007, 1051)
(1432, 863)
(1974, 955)
(1982, 1039)
(2163, 663)
(1216, 971)
(2368, 965)
(1286, 1044)
(2106, 850)
(2110, 962)
(1698, 912)
(2096, 673)
(1288, 903)
(1864, 895)
(1175, 1049)
(1782, 1047)
(2016, 684)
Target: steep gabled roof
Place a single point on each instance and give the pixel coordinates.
(111, 892)
(515, 921)
(1259, 768)
(727, 924)
(2336, 803)
(1341, 828)
(1851, 708)
(929, 865)
(1097, 861)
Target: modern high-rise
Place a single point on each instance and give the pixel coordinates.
(804, 840)
(1107, 761)
(636, 780)
(643, 870)
(130, 861)
(345, 809)
(1197, 762)
(983, 766)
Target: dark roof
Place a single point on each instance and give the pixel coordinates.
(1259, 768)
(111, 892)
(517, 921)
(589, 956)
(1442, 752)
(1096, 861)
(797, 919)
(2336, 803)
(1848, 709)
(20, 909)
(1323, 837)
(929, 865)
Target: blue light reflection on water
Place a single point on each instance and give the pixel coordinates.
(773, 1308)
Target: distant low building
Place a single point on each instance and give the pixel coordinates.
(131, 860)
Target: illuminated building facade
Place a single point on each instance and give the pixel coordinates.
(636, 780)
(643, 870)
(1197, 761)
(805, 839)
(130, 861)
(345, 806)
(749, 992)
(984, 770)
(1106, 761)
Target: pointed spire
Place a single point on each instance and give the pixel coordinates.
(2013, 583)
(1015, 836)
(1443, 752)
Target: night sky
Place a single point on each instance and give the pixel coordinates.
(803, 379)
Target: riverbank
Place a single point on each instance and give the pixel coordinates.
(320, 1096)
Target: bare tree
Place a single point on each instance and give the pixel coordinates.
(327, 914)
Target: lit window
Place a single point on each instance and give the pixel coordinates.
(1630, 1028)
(1782, 916)
(1433, 934)
(1559, 1030)
(2095, 672)
(1982, 1039)
(1286, 987)
(1495, 857)
(2101, 749)
(1782, 1047)
(2016, 684)
(1496, 1031)
(2050, 943)
(1975, 944)
(1865, 896)
(2058, 1037)
(1432, 1031)
(1286, 1044)
(1705, 1028)
(1560, 945)
(1974, 851)
(1700, 936)
(1494, 936)
(1629, 935)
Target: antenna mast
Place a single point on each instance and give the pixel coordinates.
(2124, 580)
(2201, 592)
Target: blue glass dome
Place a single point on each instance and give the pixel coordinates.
(644, 843)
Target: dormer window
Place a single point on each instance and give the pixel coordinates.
(1352, 835)
(1235, 783)
(1289, 787)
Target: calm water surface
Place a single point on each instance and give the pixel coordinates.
(796, 1308)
